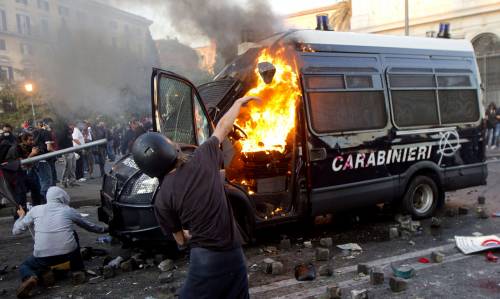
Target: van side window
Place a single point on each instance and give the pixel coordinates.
(348, 103)
(457, 99)
(176, 110)
(430, 99)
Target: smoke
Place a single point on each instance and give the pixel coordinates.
(223, 21)
(83, 69)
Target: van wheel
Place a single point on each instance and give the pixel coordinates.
(421, 197)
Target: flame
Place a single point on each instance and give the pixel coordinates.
(268, 124)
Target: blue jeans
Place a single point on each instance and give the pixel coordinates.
(35, 266)
(27, 181)
(490, 136)
(497, 135)
(110, 150)
(216, 274)
(44, 173)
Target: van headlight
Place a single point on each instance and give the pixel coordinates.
(140, 190)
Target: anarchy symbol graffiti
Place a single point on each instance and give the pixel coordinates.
(448, 144)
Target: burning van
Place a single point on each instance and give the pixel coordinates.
(347, 120)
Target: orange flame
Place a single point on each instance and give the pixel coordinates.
(268, 124)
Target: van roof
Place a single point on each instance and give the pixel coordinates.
(354, 39)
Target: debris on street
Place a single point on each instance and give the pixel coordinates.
(437, 257)
(326, 269)
(350, 246)
(397, 284)
(470, 245)
(326, 242)
(482, 213)
(363, 268)
(166, 265)
(285, 244)
(322, 254)
(435, 222)
(403, 271)
(424, 260)
(334, 292)
(359, 294)
(273, 267)
(305, 272)
(393, 233)
(491, 257)
(376, 276)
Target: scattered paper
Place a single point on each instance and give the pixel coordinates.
(84, 215)
(350, 246)
(476, 244)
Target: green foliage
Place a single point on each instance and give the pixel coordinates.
(21, 104)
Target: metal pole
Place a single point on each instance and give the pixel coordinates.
(32, 108)
(63, 151)
(407, 19)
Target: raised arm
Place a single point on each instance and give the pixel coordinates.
(225, 124)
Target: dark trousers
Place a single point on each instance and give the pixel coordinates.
(100, 159)
(216, 274)
(27, 181)
(79, 167)
(44, 173)
(35, 266)
(52, 163)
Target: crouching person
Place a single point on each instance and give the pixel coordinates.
(56, 241)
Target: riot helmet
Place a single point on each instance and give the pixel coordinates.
(155, 154)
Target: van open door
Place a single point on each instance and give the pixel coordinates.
(177, 109)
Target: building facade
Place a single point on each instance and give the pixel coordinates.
(30, 26)
(475, 20)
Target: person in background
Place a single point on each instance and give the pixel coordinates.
(100, 151)
(497, 128)
(78, 139)
(137, 130)
(43, 141)
(88, 155)
(52, 161)
(109, 147)
(116, 140)
(56, 240)
(26, 179)
(7, 140)
(491, 122)
(64, 140)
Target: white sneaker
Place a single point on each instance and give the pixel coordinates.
(493, 147)
(82, 180)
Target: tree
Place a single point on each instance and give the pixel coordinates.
(16, 105)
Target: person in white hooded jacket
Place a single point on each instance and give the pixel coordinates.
(56, 241)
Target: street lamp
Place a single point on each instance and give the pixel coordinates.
(29, 89)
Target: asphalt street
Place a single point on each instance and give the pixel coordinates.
(458, 276)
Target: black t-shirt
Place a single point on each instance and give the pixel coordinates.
(192, 197)
(41, 137)
(491, 117)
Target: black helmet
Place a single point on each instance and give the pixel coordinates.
(154, 153)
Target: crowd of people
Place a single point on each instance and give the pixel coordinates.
(36, 138)
(492, 126)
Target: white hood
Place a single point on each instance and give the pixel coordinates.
(57, 195)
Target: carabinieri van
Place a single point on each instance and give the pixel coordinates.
(381, 119)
